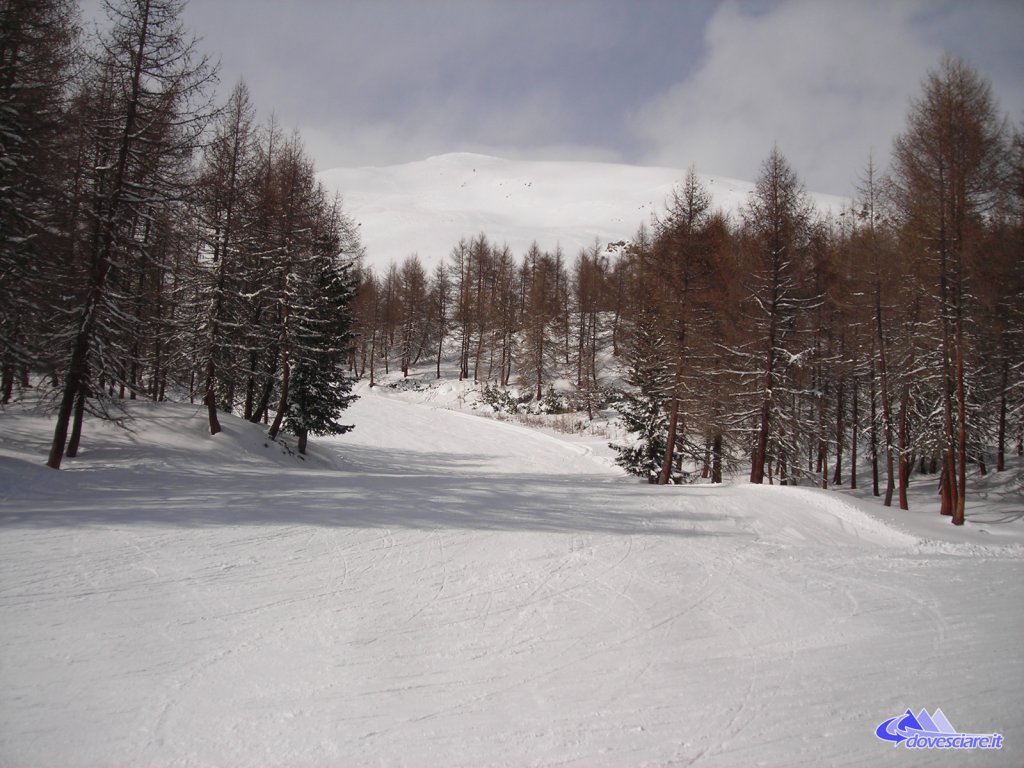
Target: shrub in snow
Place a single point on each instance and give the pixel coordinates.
(500, 400)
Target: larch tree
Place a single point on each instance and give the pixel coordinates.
(461, 273)
(224, 202)
(684, 267)
(873, 249)
(367, 311)
(589, 300)
(148, 108)
(506, 316)
(414, 309)
(482, 310)
(538, 352)
(440, 298)
(37, 44)
(777, 222)
(948, 172)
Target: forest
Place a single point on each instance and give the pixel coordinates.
(782, 343)
(157, 244)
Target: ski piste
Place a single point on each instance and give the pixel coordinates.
(440, 588)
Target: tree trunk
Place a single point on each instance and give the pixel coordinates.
(76, 426)
(948, 482)
(210, 396)
(883, 381)
(716, 459)
(822, 463)
(961, 398)
(263, 402)
(670, 443)
(873, 434)
(282, 404)
(540, 361)
(440, 347)
(373, 358)
(8, 380)
(837, 476)
(783, 467)
(902, 446)
(74, 379)
(250, 396)
(1001, 434)
(761, 447)
(855, 433)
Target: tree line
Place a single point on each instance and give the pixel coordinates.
(155, 241)
(785, 341)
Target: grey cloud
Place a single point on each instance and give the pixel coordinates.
(828, 82)
(659, 81)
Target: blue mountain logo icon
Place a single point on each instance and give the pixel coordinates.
(901, 727)
(934, 731)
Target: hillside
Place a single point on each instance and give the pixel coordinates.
(426, 206)
(440, 589)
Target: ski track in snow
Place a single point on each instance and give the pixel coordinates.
(460, 591)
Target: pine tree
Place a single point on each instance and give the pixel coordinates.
(320, 389)
(643, 409)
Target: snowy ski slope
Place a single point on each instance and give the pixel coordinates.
(441, 589)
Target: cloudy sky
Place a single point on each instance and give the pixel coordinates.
(657, 82)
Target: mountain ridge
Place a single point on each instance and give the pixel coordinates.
(427, 206)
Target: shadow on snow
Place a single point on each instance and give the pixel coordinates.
(371, 488)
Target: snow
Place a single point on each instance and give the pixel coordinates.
(427, 206)
(437, 588)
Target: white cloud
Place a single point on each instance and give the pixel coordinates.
(828, 82)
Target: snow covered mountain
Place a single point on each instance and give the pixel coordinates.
(425, 207)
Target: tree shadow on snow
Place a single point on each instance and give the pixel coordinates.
(371, 488)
